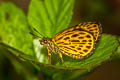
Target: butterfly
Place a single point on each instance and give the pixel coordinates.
(77, 42)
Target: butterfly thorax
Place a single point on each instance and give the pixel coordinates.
(49, 44)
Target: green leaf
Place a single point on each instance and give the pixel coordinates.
(104, 50)
(107, 44)
(49, 17)
(117, 53)
(14, 30)
(18, 69)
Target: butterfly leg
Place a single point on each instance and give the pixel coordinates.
(60, 55)
(49, 56)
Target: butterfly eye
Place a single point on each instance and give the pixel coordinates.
(45, 41)
(42, 42)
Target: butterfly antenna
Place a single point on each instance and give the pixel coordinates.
(36, 34)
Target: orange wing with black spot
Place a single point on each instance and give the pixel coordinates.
(92, 27)
(76, 43)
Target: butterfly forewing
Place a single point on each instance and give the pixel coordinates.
(92, 27)
(75, 42)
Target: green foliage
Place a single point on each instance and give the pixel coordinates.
(103, 52)
(20, 69)
(117, 52)
(50, 16)
(39, 17)
(14, 30)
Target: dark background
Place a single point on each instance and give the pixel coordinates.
(107, 12)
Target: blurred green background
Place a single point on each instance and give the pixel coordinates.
(107, 12)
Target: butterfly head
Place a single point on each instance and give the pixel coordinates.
(44, 41)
